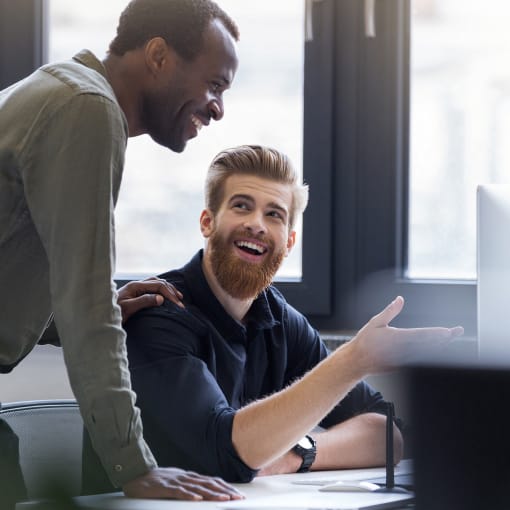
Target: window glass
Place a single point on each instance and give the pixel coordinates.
(460, 120)
(162, 192)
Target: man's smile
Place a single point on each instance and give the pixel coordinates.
(196, 122)
(252, 251)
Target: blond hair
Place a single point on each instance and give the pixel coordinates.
(259, 161)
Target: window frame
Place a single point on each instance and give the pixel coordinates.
(355, 159)
(311, 293)
(21, 17)
(371, 154)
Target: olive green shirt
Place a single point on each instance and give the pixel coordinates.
(63, 138)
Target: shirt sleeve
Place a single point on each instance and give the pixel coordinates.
(307, 350)
(70, 192)
(186, 416)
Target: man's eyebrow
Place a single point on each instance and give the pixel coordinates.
(249, 198)
(220, 77)
(238, 196)
(274, 205)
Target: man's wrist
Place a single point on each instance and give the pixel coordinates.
(306, 449)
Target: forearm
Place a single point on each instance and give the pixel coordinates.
(356, 443)
(282, 419)
(71, 202)
(266, 429)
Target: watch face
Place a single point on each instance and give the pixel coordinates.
(305, 443)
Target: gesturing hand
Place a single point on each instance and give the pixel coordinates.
(382, 347)
(136, 295)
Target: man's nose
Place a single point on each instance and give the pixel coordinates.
(255, 223)
(216, 109)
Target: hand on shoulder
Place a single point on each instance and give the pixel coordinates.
(139, 294)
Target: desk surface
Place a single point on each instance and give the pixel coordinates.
(279, 491)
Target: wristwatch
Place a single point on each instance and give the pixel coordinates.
(306, 448)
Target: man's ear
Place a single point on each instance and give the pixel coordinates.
(206, 223)
(158, 55)
(291, 241)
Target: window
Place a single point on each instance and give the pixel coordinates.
(370, 153)
(298, 122)
(162, 192)
(460, 114)
(356, 151)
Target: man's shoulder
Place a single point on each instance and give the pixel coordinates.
(175, 277)
(169, 315)
(82, 75)
(277, 302)
(274, 294)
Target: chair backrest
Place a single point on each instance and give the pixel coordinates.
(45, 439)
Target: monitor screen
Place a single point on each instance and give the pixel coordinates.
(493, 268)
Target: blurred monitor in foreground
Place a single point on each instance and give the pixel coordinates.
(493, 268)
(459, 436)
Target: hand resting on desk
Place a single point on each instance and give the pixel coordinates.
(179, 484)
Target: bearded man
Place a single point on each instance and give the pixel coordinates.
(233, 383)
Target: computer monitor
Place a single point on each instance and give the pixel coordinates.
(493, 272)
(460, 441)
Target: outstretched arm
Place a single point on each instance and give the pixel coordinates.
(376, 348)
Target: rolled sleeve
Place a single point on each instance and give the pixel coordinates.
(72, 204)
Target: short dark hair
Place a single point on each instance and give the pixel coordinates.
(180, 22)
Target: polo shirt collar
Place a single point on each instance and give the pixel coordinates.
(259, 315)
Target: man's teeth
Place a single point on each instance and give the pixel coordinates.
(250, 246)
(196, 122)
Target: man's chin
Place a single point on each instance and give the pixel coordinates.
(174, 146)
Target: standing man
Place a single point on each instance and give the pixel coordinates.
(63, 135)
(247, 373)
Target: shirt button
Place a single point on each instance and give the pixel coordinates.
(118, 468)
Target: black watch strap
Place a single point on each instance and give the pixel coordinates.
(307, 450)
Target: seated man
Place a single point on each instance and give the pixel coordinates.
(229, 384)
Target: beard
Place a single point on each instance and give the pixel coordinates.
(239, 278)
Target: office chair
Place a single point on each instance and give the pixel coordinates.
(40, 450)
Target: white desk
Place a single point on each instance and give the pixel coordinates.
(279, 491)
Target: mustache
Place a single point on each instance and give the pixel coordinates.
(245, 233)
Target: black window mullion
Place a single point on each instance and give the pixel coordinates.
(22, 39)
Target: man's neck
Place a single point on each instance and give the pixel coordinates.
(236, 308)
(123, 76)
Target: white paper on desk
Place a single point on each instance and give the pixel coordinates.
(326, 478)
(321, 500)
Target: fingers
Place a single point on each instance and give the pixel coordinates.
(172, 483)
(389, 313)
(437, 335)
(211, 488)
(136, 295)
(131, 306)
(152, 285)
(414, 345)
(155, 285)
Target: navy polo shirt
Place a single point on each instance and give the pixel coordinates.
(192, 369)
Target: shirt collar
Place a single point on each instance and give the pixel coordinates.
(259, 315)
(87, 58)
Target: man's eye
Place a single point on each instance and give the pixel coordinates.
(275, 214)
(215, 87)
(240, 205)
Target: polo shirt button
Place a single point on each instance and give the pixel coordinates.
(118, 468)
